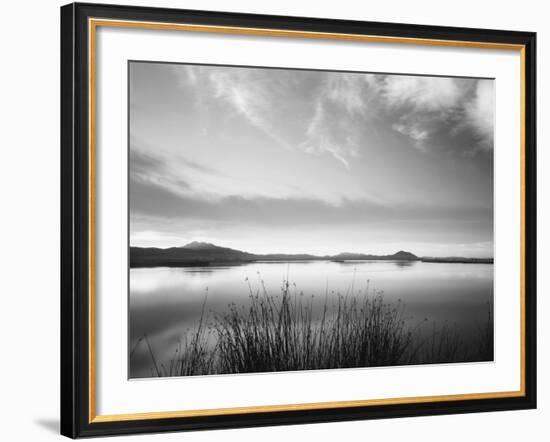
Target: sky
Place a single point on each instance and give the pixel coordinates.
(301, 161)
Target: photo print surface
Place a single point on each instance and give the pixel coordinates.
(286, 219)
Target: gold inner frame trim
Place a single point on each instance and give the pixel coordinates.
(93, 24)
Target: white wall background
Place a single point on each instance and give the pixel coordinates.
(29, 220)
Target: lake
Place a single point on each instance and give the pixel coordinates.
(165, 302)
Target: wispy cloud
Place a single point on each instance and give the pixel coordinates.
(413, 128)
(347, 90)
(325, 135)
(151, 199)
(317, 113)
(250, 93)
(156, 212)
(173, 173)
(335, 110)
(248, 97)
(341, 114)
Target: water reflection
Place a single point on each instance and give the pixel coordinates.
(403, 264)
(165, 302)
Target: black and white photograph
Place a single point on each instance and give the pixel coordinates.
(286, 219)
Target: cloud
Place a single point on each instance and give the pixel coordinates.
(151, 199)
(159, 170)
(143, 163)
(237, 87)
(349, 91)
(341, 114)
(424, 94)
(316, 112)
(421, 105)
(413, 128)
(336, 114)
(435, 113)
(244, 96)
(252, 95)
(339, 139)
(188, 75)
(480, 113)
(441, 113)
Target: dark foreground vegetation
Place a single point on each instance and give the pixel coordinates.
(287, 332)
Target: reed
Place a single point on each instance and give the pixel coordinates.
(289, 331)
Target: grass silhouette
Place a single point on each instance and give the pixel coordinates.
(285, 332)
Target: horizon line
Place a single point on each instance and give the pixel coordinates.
(311, 254)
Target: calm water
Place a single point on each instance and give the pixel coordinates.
(164, 302)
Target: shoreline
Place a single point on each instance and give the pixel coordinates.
(199, 263)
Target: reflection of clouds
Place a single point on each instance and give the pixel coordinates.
(169, 281)
(142, 281)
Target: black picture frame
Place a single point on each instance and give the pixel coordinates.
(75, 220)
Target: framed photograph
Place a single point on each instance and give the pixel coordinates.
(274, 220)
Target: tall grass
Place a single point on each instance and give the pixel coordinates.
(287, 332)
(281, 333)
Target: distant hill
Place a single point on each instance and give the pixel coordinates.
(196, 245)
(203, 253)
(194, 253)
(399, 256)
(405, 256)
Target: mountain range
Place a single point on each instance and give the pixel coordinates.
(204, 253)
